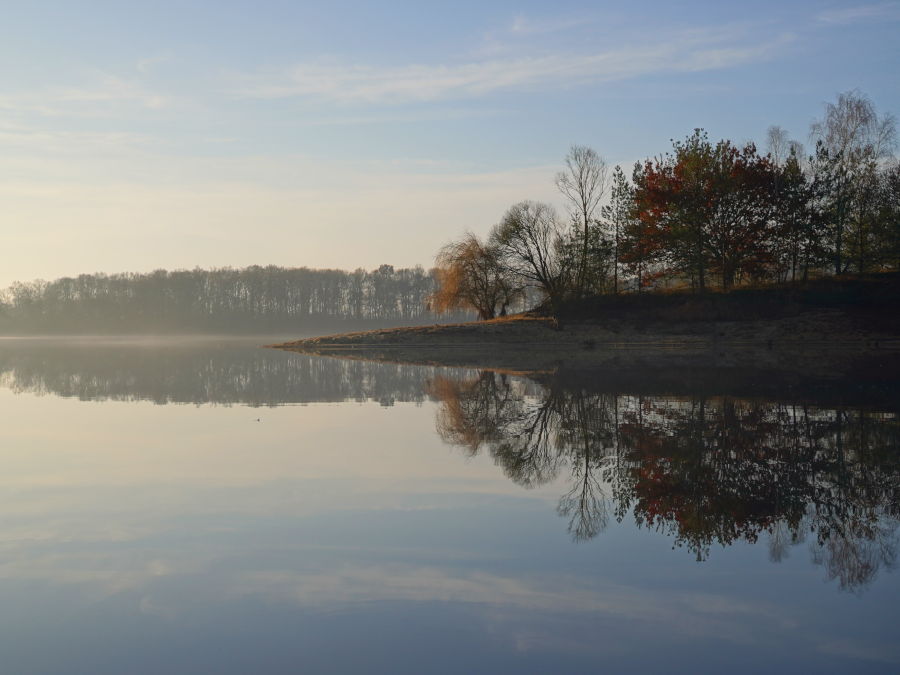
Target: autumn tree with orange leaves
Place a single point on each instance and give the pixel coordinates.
(470, 275)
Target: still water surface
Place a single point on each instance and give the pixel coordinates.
(188, 507)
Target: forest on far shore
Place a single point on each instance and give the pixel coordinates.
(250, 300)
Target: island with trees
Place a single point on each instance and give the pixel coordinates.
(713, 244)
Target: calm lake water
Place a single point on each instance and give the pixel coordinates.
(212, 507)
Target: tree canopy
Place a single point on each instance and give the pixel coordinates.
(710, 214)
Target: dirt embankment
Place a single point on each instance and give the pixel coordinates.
(829, 327)
(825, 341)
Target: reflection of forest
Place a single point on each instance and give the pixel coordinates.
(703, 470)
(201, 372)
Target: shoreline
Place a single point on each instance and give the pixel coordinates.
(824, 343)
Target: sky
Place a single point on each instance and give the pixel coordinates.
(138, 136)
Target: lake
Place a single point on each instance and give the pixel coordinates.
(192, 506)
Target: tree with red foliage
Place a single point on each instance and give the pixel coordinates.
(739, 195)
(704, 209)
(640, 244)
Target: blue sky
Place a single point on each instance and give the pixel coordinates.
(173, 134)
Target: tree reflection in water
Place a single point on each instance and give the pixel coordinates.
(703, 470)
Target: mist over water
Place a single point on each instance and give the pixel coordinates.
(211, 506)
(223, 370)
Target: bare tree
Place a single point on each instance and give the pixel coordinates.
(781, 146)
(854, 138)
(530, 241)
(584, 184)
(853, 130)
(778, 144)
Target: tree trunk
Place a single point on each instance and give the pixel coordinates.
(616, 260)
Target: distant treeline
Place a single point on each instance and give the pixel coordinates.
(249, 300)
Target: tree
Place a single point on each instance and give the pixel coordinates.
(853, 137)
(617, 215)
(797, 231)
(530, 242)
(788, 190)
(888, 220)
(641, 238)
(739, 192)
(470, 275)
(707, 207)
(584, 184)
(671, 202)
(861, 244)
(780, 146)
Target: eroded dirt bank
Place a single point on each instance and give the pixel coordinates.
(827, 343)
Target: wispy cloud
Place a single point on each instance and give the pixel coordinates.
(91, 99)
(881, 11)
(147, 64)
(112, 89)
(509, 37)
(523, 25)
(35, 139)
(694, 51)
